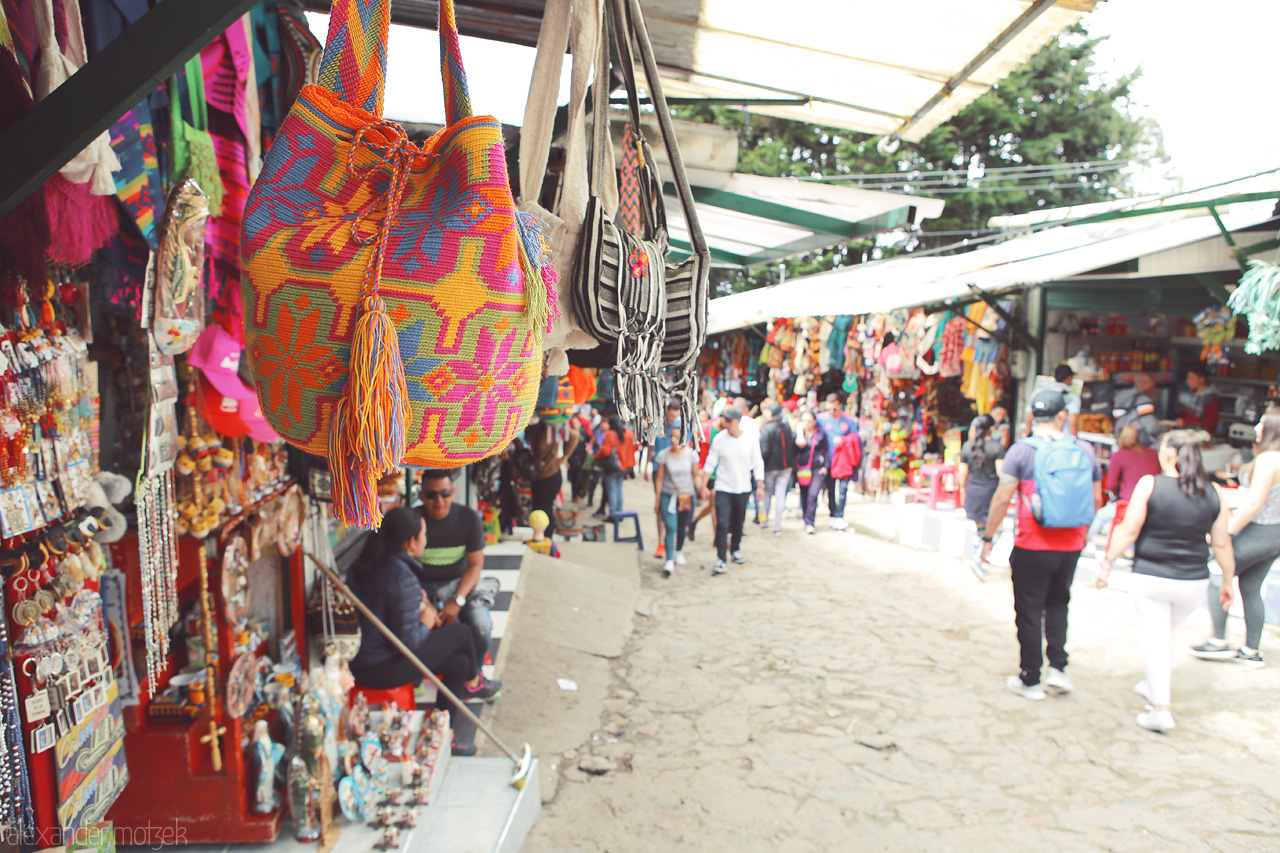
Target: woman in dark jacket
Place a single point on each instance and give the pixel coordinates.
(383, 578)
(813, 455)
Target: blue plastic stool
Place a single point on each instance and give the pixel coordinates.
(636, 538)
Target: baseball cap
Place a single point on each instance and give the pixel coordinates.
(217, 354)
(259, 429)
(1047, 403)
(218, 410)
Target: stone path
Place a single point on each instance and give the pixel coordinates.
(839, 692)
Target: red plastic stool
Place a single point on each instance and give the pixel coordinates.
(401, 696)
(935, 483)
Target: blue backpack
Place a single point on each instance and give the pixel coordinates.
(1063, 474)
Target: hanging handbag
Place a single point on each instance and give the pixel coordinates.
(578, 23)
(191, 155)
(687, 284)
(394, 297)
(618, 292)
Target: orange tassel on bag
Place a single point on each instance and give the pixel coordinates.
(366, 435)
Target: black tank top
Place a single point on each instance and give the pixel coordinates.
(1172, 542)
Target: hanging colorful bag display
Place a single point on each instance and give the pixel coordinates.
(192, 154)
(394, 298)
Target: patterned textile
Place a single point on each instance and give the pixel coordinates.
(394, 298)
(138, 183)
(629, 183)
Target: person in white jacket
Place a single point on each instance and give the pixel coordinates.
(739, 469)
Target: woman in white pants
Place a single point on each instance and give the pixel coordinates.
(1169, 517)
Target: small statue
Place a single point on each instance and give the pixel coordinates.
(540, 543)
(393, 796)
(390, 837)
(409, 818)
(311, 736)
(423, 794)
(267, 755)
(387, 816)
(304, 808)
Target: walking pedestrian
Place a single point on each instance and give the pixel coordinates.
(548, 457)
(1255, 538)
(778, 450)
(813, 456)
(1168, 517)
(678, 475)
(978, 476)
(661, 443)
(609, 464)
(844, 442)
(1132, 461)
(735, 457)
(1056, 502)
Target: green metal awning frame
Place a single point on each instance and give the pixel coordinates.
(827, 230)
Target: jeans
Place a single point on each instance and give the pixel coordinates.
(474, 614)
(1256, 547)
(1041, 593)
(448, 651)
(731, 512)
(837, 494)
(675, 523)
(1162, 604)
(613, 491)
(776, 485)
(1104, 516)
(809, 497)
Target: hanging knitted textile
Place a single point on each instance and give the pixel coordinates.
(394, 298)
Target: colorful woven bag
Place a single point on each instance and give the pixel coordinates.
(395, 299)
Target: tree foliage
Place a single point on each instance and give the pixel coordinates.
(1055, 109)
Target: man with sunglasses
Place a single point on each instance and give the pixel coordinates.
(450, 567)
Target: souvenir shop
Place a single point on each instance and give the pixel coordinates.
(170, 664)
(914, 377)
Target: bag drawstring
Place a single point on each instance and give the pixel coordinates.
(367, 428)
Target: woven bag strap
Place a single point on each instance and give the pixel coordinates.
(457, 99)
(636, 25)
(646, 186)
(354, 66)
(600, 161)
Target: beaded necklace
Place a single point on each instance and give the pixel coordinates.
(15, 787)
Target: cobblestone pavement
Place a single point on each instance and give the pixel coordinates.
(839, 692)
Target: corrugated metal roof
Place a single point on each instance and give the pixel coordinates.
(1049, 255)
(867, 65)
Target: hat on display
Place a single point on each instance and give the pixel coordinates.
(1047, 403)
(219, 410)
(259, 429)
(217, 354)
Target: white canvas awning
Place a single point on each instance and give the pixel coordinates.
(1049, 255)
(863, 65)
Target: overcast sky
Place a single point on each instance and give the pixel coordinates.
(1208, 77)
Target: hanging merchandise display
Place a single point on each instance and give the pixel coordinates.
(1258, 300)
(623, 290)
(578, 23)
(431, 352)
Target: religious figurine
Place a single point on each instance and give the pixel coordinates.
(391, 837)
(304, 806)
(409, 818)
(387, 815)
(393, 796)
(267, 755)
(423, 794)
(311, 736)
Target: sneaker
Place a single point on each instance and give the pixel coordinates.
(777, 531)
(689, 533)
(1155, 721)
(668, 568)
(838, 524)
(1144, 690)
(719, 568)
(487, 690)
(808, 528)
(679, 558)
(1248, 658)
(737, 557)
(463, 749)
(1058, 680)
(1034, 692)
(661, 551)
(979, 570)
(1213, 649)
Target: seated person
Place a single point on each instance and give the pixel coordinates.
(384, 578)
(450, 566)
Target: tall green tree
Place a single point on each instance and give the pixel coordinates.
(1055, 109)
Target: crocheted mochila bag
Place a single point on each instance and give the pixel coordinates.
(394, 297)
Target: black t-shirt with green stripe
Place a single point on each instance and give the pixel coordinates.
(449, 541)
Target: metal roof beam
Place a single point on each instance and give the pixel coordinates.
(796, 217)
(150, 51)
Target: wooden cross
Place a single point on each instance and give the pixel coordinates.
(212, 738)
